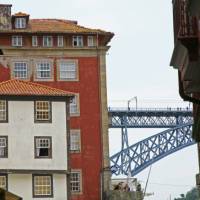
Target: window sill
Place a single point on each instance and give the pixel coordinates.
(74, 114)
(42, 121)
(75, 151)
(68, 80)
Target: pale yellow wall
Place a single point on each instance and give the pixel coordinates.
(21, 185)
(21, 130)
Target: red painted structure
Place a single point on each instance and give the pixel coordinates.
(186, 58)
(89, 160)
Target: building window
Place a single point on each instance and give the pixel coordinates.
(42, 111)
(4, 181)
(3, 111)
(43, 70)
(75, 141)
(34, 41)
(75, 182)
(16, 41)
(20, 22)
(60, 41)
(42, 186)
(3, 146)
(77, 41)
(20, 70)
(74, 105)
(43, 147)
(47, 41)
(90, 41)
(68, 70)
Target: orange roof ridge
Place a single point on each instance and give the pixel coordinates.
(56, 19)
(17, 87)
(61, 25)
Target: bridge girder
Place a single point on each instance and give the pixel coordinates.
(148, 151)
(149, 118)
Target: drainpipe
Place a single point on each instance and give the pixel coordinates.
(68, 148)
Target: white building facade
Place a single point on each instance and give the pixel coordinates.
(34, 140)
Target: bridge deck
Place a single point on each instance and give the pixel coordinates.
(149, 117)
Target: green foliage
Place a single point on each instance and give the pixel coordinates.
(191, 195)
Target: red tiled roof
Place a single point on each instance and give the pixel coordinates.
(55, 26)
(23, 88)
(20, 14)
(59, 25)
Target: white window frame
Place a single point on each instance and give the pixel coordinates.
(74, 106)
(17, 40)
(34, 41)
(47, 41)
(91, 41)
(60, 41)
(68, 70)
(43, 67)
(77, 41)
(22, 71)
(4, 181)
(76, 182)
(3, 111)
(3, 146)
(75, 141)
(20, 22)
(41, 111)
(43, 143)
(45, 186)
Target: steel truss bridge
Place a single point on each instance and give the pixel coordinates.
(133, 159)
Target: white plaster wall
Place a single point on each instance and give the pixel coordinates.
(21, 130)
(21, 184)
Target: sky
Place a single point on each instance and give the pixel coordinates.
(137, 65)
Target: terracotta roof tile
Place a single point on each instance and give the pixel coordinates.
(23, 88)
(59, 25)
(55, 26)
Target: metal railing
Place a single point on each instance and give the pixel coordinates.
(125, 109)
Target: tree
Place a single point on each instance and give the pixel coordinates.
(182, 197)
(193, 194)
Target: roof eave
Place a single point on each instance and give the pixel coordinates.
(25, 97)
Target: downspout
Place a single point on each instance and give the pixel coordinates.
(68, 147)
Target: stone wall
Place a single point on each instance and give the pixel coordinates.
(120, 195)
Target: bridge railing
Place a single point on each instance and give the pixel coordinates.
(123, 109)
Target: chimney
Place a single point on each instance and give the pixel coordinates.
(5, 16)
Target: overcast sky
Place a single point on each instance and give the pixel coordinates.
(137, 65)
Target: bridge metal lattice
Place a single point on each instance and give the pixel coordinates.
(149, 118)
(144, 153)
(137, 157)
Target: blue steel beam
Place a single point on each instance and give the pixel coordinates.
(137, 157)
(149, 118)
